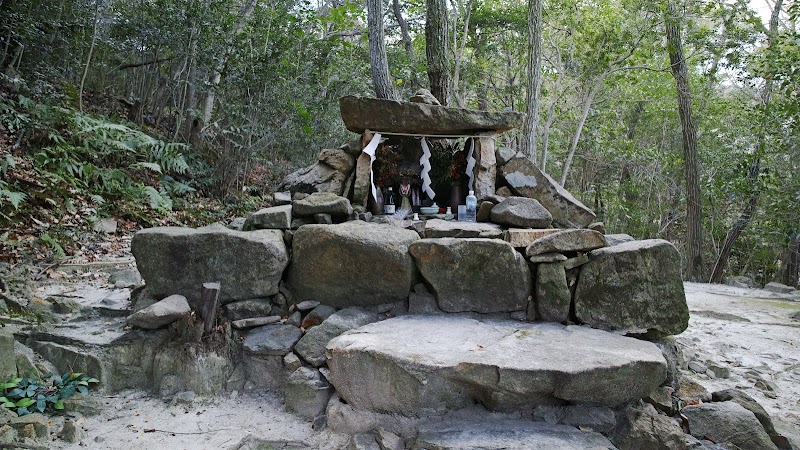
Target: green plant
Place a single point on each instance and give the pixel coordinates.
(29, 395)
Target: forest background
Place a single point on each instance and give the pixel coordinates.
(190, 111)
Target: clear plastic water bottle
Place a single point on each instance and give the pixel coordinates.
(472, 207)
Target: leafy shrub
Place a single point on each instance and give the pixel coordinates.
(29, 395)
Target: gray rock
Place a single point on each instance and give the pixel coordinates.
(161, 313)
(360, 114)
(645, 429)
(566, 241)
(363, 441)
(307, 305)
(577, 261)
(523, 237)
(8, 365)
(503, 192)
(72, 432)
(176, 260)
(479, 275)
(521, 212)
(352, 264)
(323, 219)
(484, 213)
(343, 418)
(718, 371)
(748, 403)
(247, 309)
(301, 221)
(237, 223)
(141, 298)
(437, 228)
(727, 422)
(272, 340)
(389, 441)
(697, 367)
(552, 294)
(318, 177)
(616, 239)
(322, 203)
(547, 258)
(423, 304)
(125, 278)
(282, 198)
(600, 227)
(634, 287)
(253, 322)
(504, 155)
(597, 418)
(312, 346)
(506, 434)
(778, 288)
(338, 159)
(276, 217)
(295, 319)
(673, 354)
(307, 393)
(418, 365)
(526, 180)
(740, 281)
(317, 316)
(424, 96)
(292, 362)
(662, 399)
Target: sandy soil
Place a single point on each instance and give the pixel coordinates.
(752, 332)
(749, 331)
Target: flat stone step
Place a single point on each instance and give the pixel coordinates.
(508, 434)
(421, 365)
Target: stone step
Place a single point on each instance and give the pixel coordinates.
(422, 365)
(507, 434)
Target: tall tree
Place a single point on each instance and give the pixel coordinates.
(384, 88)
(436, 44)
(755, 168)
(534, 76)
(693, 203)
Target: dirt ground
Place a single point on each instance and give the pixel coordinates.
(750, 332)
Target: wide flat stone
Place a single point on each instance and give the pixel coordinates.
(526, 180)
(361, 114)
(418, 365)
(438, 228)
(567, 241)
(352, 264)
(479, 275)
(161, 313)
(507, 434)
(272, 339)
(322, 203)
(276, 217)
(522, 237)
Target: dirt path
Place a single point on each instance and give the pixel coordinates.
(752, 333)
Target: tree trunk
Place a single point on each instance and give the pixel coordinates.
(587, 104)
(753, 175)
(693, 211)
(401, 21)
(216, 73)
(790, 262)
(534, 77)
(459, 56)
(384, 88)
(436, 49)
(89, 57)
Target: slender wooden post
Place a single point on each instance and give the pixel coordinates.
(209, 306)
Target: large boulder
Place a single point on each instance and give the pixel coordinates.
(361, 114)
(352, 264)
(552, 295)
(173, 260)
(644, 428)
(479, 275)
(307, 393)
(635, 287)
(311, 346)
(567, 241)
(322, 203)
(329, 174)
(521, 212)
(526, 180)
(506, 434)
(161, 313)
(727, 423)
(418, 365)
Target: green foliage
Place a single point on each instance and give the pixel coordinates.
(45, 395)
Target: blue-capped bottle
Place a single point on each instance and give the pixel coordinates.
(472, 207)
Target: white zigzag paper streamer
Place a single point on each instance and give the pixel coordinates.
(425, 162)
(370, 150)
(470, 161)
